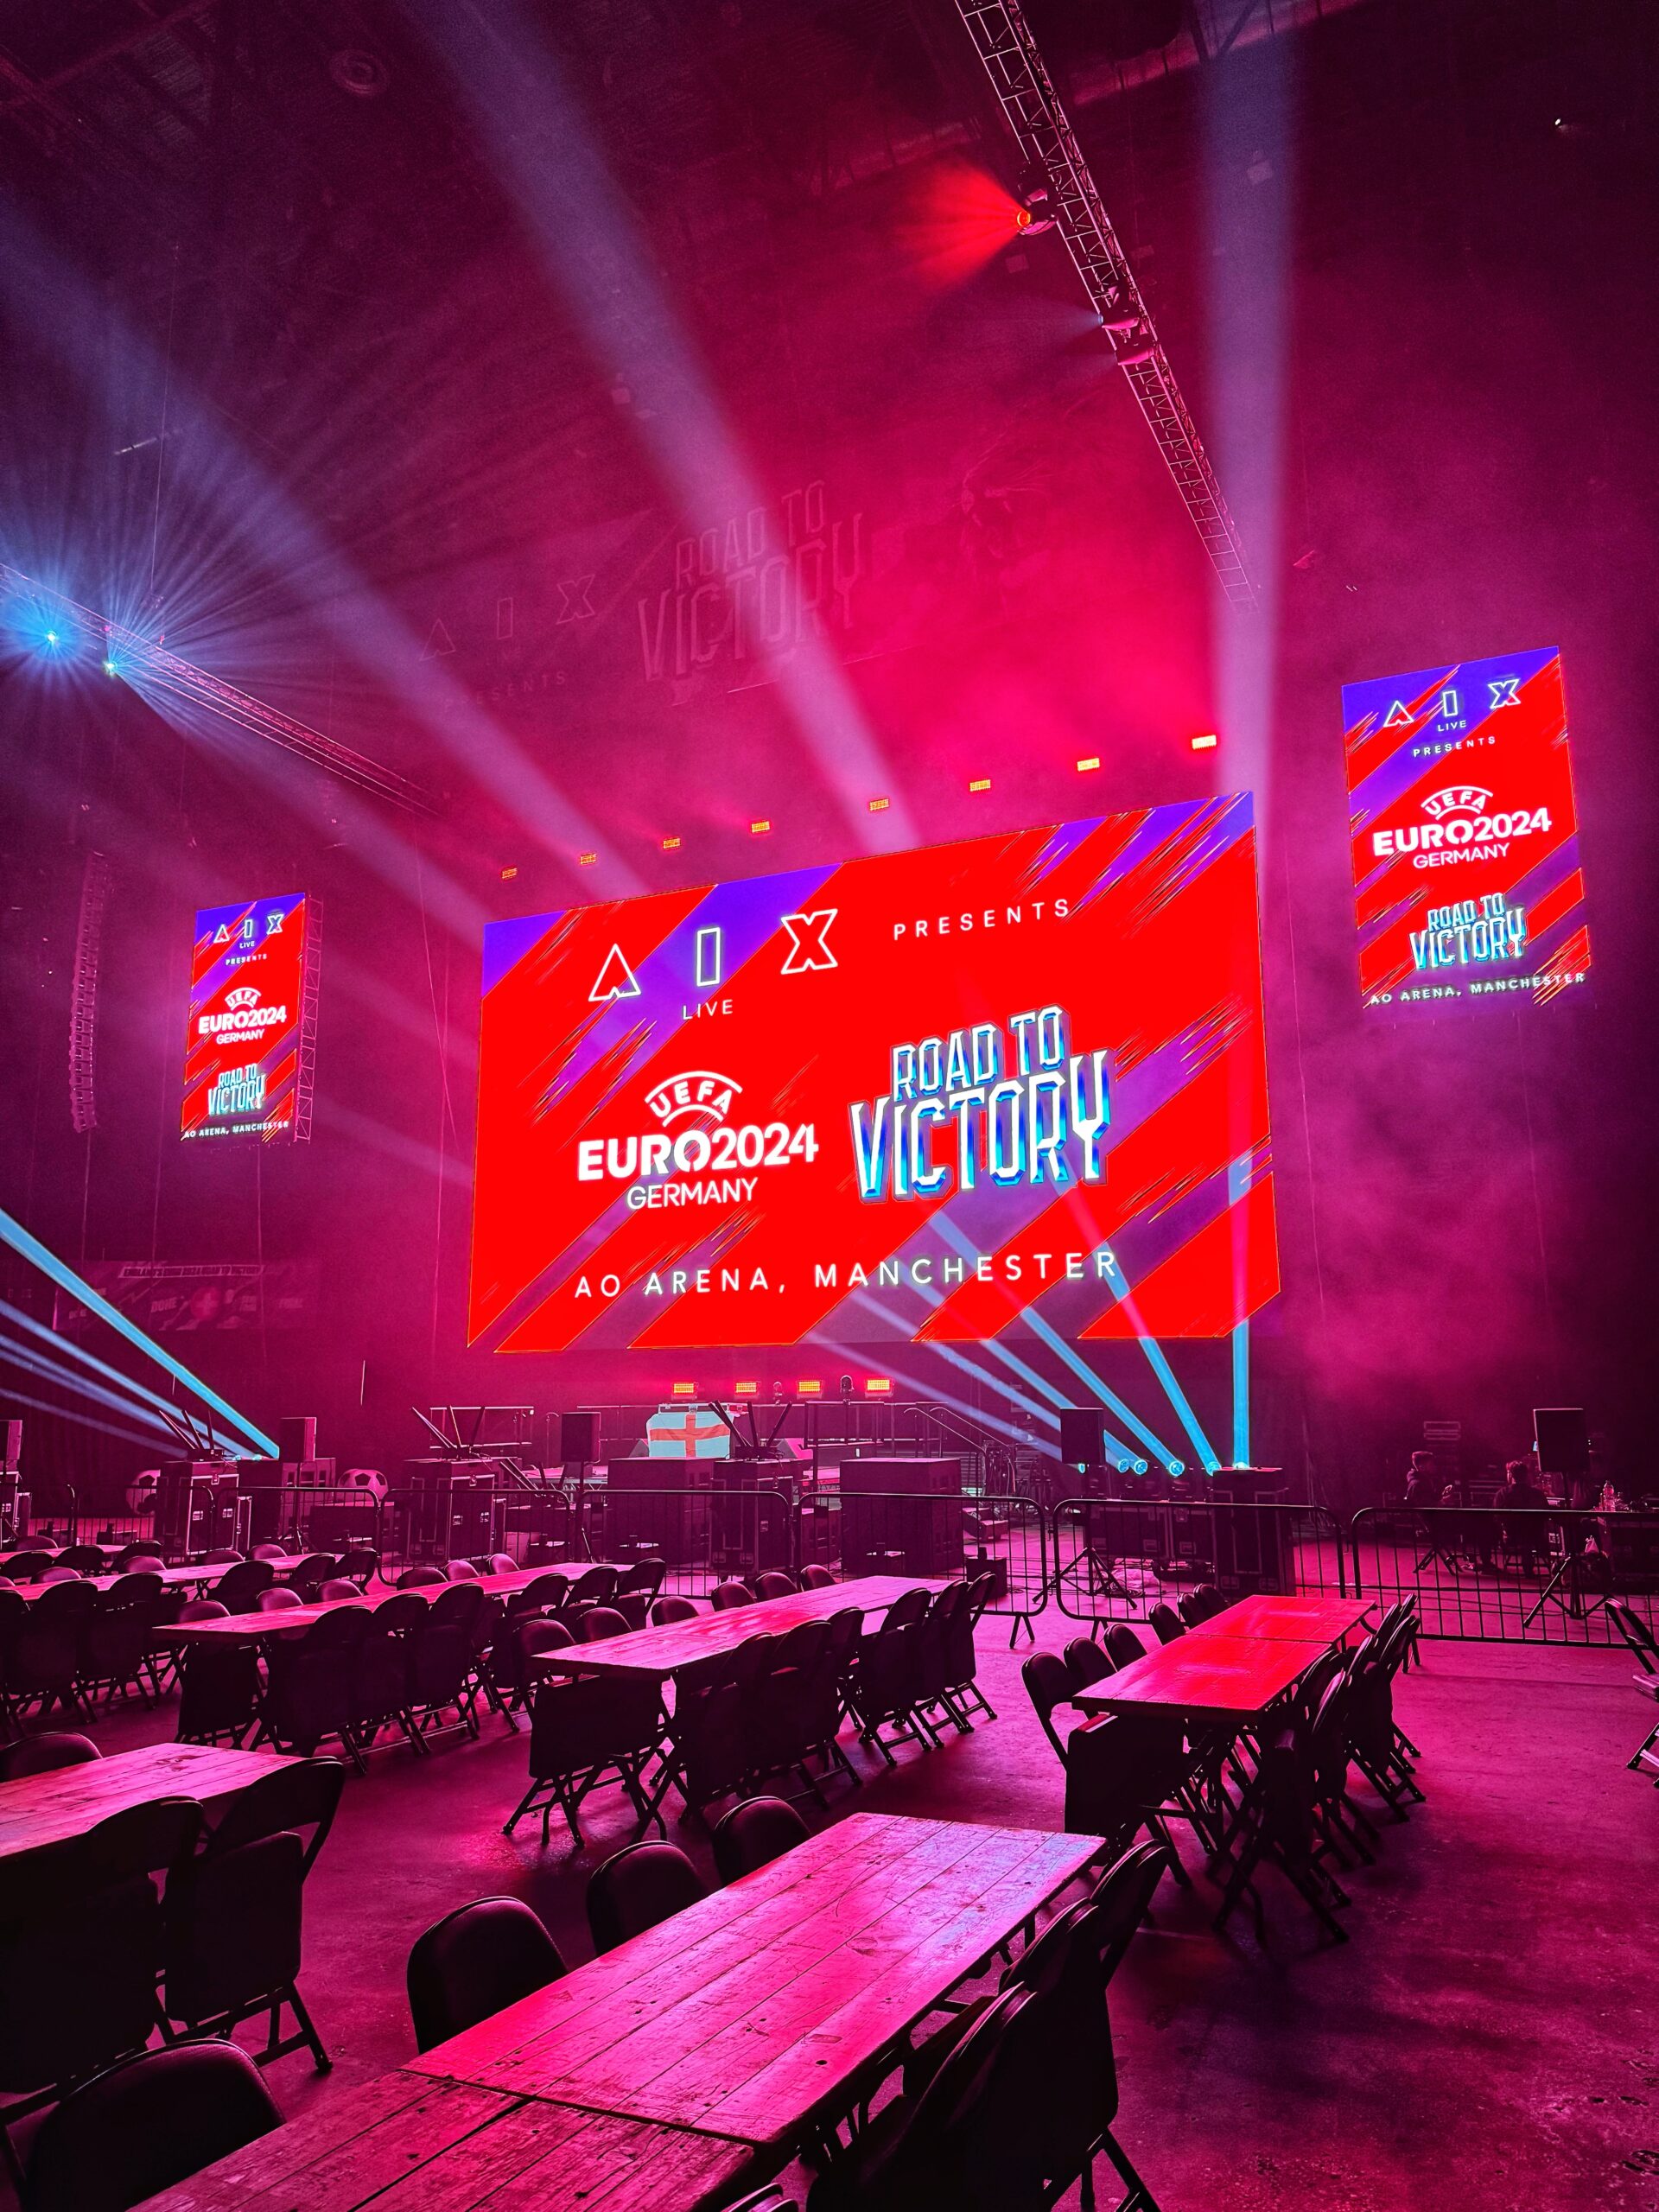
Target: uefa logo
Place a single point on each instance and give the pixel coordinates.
(699, 1096)
(244, 995)
(1457, 798)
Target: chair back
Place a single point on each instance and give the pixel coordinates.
(546, 1591)
(601, 1621)
(145, 2125)
(1048, 1683)
(753, 1833)
(909, 1607)
(816, 1577)
(473, 1963)
(1123, 1645)
(462, 1570)
(273, 1551)
(222, 1555)
(645, 1576)
(45, 1754)
(61, 1574)
(85, 1559)
(218, 1685)
(726, 1595)
(357, 1563)
(1120, 1901)
(641, 1885)
(203, 1609)
(299, 1794)
(422, 1577)
(280, 1600)
(665, 1611)
(311, 1573)
(1086, 1663)
(776, 1583)
(1166, 1623)
(336, 1590)
(596, 1585)
(238, 1589)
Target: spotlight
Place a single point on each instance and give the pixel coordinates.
(1206, 743)
(507, 874)
(980, 784)
(762, 829)
(1087, 767)
(808, 1389)
(1140, 349)
(878, 1386)
(1037, 208)
(671, 844)
(746, 1389)
(586, 859)
(879, 805)
(683, 1389)
(111, 668)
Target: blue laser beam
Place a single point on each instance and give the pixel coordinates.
(1108, 1397)
(65, 1277)
(72, 1380)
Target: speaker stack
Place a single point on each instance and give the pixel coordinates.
(676, 1528)
(912, 1506)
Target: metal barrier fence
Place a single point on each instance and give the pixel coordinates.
(1485, 1575)
(1115, 1559)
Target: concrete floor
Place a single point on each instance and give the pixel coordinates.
(1489, 2037)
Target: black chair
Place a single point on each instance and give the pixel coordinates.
(221, 1555)
(886, 1681)
(643, 1580)
(585, 1733)
(460, 1570)
(45, 1754)
(218, 1685)
(776, 1582)
(1202, 1603)
(937, 1654)
(308, 1575)
(474, 1962)
(277, 1554)
(382, 1665)
(422, 1577)
(1640, 1643)
(1166, 1623)
(1276, 1820)
(337, 1590)
(725, 1595)
(279, 1599)
(43, 1659)
(596, 1585)
(545, 1594)
(238, 1589)
(1123, 1646)
(794, 1703)
(1120, 1777)
(641, 1885)
(234, 1921)
(1086, 1663)
(28, 1566)
(755, 1833)
(115, 1640)
(522, 1635)
(85, 1559)
(816, 1577)
(1048, 1685)
(307, 1693)
(443, 1666)
(666, 1610)
(966, 1695)
(601, 1621)
(80, 1947)
(357, 1563)
(713, 1754)
(1121, 1899)
(145, 2125)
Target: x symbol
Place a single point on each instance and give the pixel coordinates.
(575, 605)
(808, 945)
(1506, 692)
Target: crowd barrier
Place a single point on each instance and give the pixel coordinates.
(1477, 1573)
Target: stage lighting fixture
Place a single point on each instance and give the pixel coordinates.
(507, 874)
(1138, 352)
(1206, 743)
(671, 844)
(111, 668)
(878, 1386)
(980, 784)
(879, 805)
(682, 1390)
(760, 829)
(1037, 209)
(808, 1389)
(746, 1389)
(1086, 767)
(586, 859)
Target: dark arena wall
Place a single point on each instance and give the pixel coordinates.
(801, 483)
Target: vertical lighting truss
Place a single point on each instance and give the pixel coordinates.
(83, 994)
(128, 653)
(305, 1081)
(1002, 39)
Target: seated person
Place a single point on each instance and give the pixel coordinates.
(1521, 1496)
(1422, 1481)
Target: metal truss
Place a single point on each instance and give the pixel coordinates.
(128, 653)
(305, 1065)
(1003, 41)
(83, 994)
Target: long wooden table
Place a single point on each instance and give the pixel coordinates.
(42, 1808)
(659, 1653)
(407, 2143)
(1327, 1621)
(1230, 1678)
(762, 2011)
(172, 1578)
(239, 1628)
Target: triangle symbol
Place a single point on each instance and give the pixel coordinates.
(615, 980)
(1398, 713)
(438, 642)
(222, 934)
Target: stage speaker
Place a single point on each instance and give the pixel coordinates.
(579, 1437)
(674, 1525)
(927, 1531)
(297, 1438)
(11, 1447)
(1562, 1436)
(1252, 1550)
(1083, 1435)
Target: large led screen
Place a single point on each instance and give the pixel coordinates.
(243, 1052)
(1466, 852)
(1012, 1083)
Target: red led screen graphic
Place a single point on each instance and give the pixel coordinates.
(244, 1038)
(1467, 880)
(1009, 1083)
